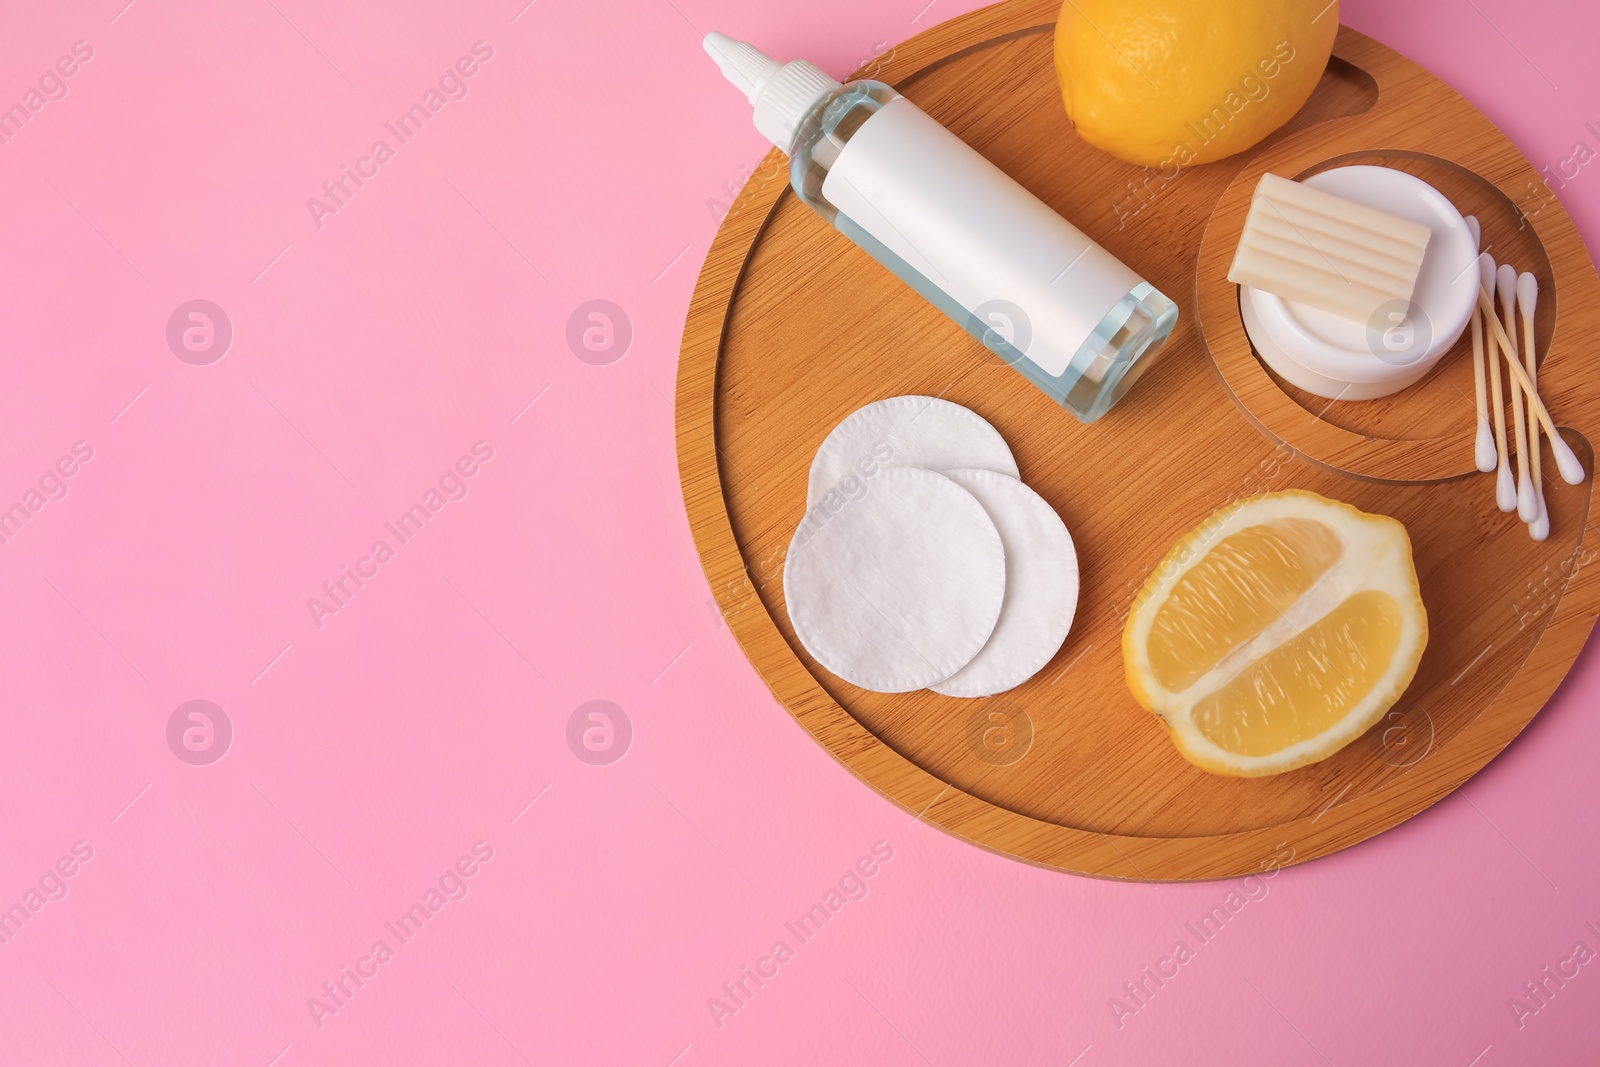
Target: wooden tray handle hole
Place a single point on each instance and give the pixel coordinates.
(1344, 91)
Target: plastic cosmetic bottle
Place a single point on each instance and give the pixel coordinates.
(1031, 286)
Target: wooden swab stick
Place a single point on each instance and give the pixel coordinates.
(1506, 285)
(1505, 494)
(1566, 461)
(1483, 450)
(1527, 300)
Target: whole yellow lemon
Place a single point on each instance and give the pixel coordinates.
(1168, 83)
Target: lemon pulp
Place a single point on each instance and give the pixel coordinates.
(1243, 584)
(1309, 683)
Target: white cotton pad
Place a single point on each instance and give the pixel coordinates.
(905, 431)
(1041, 587)
(899, 587)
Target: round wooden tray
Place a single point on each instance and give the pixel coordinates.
(792, 328)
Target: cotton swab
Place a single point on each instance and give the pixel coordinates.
(1567, 463)
(1483, 449)
(1506, 286)
(1505, 493)
(1527, 300)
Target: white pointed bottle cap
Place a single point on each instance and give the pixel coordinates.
(783, 94)
(745, 65)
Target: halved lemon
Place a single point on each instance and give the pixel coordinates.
(1276, 632)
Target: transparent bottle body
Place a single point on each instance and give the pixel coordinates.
(1105, 366)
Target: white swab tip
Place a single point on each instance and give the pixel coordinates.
(1505, 283)
(1483, 447)
(1486, 271)
(1527, 503)
(1527, 292)
(1566, 461)
(1539, 528)
(1505, 491)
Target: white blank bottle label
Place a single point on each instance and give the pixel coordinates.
(965, 225)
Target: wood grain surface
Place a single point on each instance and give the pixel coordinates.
(792, 328)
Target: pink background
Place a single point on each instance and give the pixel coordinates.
(373, 751)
